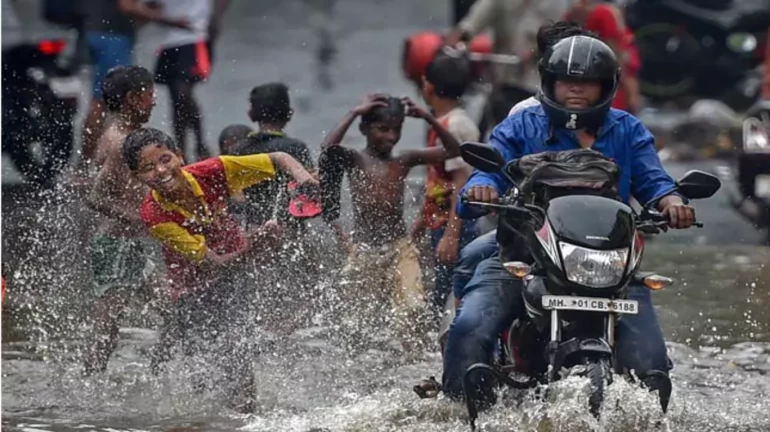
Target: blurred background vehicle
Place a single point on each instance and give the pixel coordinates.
(700, 49)
(752, 173)
(40, 99)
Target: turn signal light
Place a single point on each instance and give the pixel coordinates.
(657, 282)
(517, 268)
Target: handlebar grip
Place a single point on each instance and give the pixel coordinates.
(698, 224)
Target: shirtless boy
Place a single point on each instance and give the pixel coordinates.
(383, 261)
(120, 249)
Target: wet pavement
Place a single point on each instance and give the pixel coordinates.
(716, 317)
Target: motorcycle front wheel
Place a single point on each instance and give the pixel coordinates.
(599, 373)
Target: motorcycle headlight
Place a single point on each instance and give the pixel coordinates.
(756, 136)
(742, 42)
(593, 268)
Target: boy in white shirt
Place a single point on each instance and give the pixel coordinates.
(446, 79)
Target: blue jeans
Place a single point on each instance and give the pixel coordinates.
(108, 51)
(471, 255)
(444, 272)
(491, 302)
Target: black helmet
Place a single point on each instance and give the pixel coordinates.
(580, 57)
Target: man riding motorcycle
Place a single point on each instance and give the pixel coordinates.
(579, 79)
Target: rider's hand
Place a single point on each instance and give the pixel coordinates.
(485, 194)
(679, 214)
(455, 37)
(369, 102)
(527, 56)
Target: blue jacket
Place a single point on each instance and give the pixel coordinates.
(622, 138)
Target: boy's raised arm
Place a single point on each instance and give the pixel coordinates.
(295, 169)
(338, 133)
(450, 146)
(244, 171)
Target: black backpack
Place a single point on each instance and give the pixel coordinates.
(544, 176)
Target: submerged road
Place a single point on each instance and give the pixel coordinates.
(716, 317)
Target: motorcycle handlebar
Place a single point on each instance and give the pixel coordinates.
(654, 220)
(654, 226)
(465, 200)
(462, 49)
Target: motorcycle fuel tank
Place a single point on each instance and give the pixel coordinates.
(592, 222)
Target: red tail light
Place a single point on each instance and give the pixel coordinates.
(51, 47)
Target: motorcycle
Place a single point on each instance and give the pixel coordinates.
(752, 199)
(40, 101)
(691, 49)
(587, 249)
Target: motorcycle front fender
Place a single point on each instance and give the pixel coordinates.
(579, 348)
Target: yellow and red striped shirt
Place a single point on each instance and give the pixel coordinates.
(187, 237)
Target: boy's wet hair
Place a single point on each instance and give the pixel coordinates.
(234, 133)
(270, 103)
(393, 110)
(122, 80)
(553, 32)
(450, 75)
(137, 140)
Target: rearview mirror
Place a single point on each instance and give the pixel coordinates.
(698, 184)
(483, 157)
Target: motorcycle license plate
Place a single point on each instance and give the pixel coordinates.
(590, 304)
(762, 186)
(66, 88)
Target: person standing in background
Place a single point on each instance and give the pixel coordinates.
(185, 59)
(110, 31)
(321, 20)
(607, 21)
(514, 24)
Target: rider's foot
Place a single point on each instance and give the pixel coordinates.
(656, 380)
(480, 384)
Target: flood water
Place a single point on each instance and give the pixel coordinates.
(716, 318)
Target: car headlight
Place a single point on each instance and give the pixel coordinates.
(593, 268)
